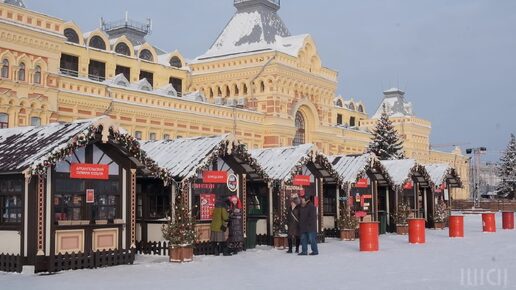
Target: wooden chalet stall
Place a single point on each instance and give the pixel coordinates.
(411, 184)
(301, 170)
(69, 188)
(205, 169)
(364, 185)
(444, 179)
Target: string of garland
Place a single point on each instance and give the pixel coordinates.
(88, 136)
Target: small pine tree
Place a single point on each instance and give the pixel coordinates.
(180, 230)
(506, 170)
(386, 143)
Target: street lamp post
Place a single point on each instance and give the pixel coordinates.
(475, 171)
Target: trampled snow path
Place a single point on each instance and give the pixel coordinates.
(442, 263)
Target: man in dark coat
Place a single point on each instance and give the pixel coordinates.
(308, 227)
(293, 224)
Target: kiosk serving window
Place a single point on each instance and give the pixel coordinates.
(87, 186)
(11, 206)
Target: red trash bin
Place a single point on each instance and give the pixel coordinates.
(456, 226)
(488, 222)
(508, 220)
(416, 230)
(369, 236)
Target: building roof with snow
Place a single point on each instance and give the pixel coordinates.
(281, 164)
(404, 170)
(185, 157)
(395, 104)
(31, 150)
(255, 27)
(351, 168)
(443, 173)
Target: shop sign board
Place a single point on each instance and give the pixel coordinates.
(214, 177)
(362, 183)
(207, 206)
(303, 180)
(89, 171)
(232, 182)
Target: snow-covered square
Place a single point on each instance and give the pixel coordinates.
(478, 261)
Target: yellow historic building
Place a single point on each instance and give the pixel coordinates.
(268, 87)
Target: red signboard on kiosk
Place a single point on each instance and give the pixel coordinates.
(301, 180)
(362, 183)
(214, 177)
(89, 171)
(408, 185)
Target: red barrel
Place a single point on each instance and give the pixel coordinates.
(416, 231)
(369, 236)
(508, 220)
(456, 226)
(489, 222)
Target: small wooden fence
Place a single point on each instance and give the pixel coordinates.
(10, 263)
(90, 260)
(161, 248)
(494, 205)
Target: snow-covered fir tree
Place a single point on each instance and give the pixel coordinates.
(386, 143)
(506, 170)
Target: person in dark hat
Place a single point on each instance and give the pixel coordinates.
(308, 227)
(293, 223)
(236, 230)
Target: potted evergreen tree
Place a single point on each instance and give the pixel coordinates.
(401, 218)
(441, 214)
(180, 232)
(347, 223)
(280, 229)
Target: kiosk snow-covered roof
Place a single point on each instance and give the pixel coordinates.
(185, 157)
(281, 164)
(402, 171)
(443, 173)
(352, 167)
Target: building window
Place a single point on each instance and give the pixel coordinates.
(166, 136)
(97, 42)
(122, 48)
(339, 119)
(153, 200)
(35, 121)
(152, 136)
(262, 87)
(11, 206)
(37, 75)
(97, 71)
(245, 89)
(147, 75)
(4, 121)
(5, 69)
(138, 135)
(300, 129)
(352, 122)
(175, 62)
(339, 103)
(71, 35)
(351, 106)
(330, 201)
(69, 65)
(123, 70)
(146, 55)
(21, 72)
(177, 84)
(360, 108)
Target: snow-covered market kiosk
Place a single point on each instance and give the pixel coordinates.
(444, 179)
(69, 188)
(411, 184)
(364, 186)
(207, 169)
(298, 170)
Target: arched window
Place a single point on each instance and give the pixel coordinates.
(37, 75)
(351, 106)
(262, 87)
(361, 108)
(245, 89)
(122, 48)
(35, 121)
(175, 62)
(5, 69)
(146, 55)
(235, 90)
(339, 103)
(4, 121)
(300, 130)
(97, 42)
(21, 72)
(71, 35)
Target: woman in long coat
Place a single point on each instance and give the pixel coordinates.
(293, 224)
(236, 229)
(219, 224)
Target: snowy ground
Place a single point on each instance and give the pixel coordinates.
(441, 263)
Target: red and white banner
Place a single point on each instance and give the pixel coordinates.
(214, 177)
(89, 171)
(362, 183)
(207, 206)
(301, 180)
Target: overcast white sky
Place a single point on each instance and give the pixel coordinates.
(456, 59)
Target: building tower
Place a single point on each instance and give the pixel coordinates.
(18, 3)
(135, 31)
